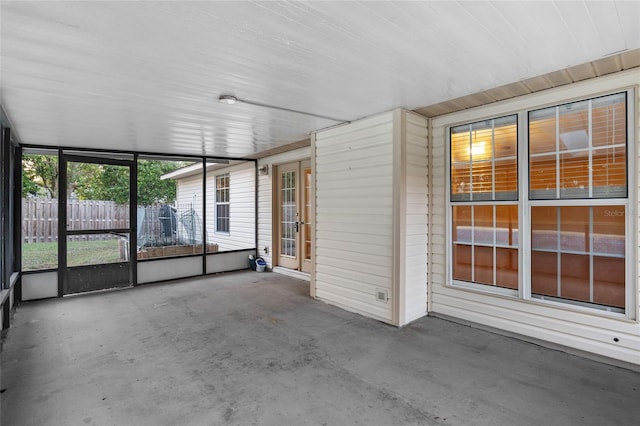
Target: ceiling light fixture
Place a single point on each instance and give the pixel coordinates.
(230, 100)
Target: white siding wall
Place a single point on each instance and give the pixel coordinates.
(265, 199)
(189, 192)
(371, 216)
(242, 224)
(416, 213)
(563, 325)
(242, 204)
(354, 216)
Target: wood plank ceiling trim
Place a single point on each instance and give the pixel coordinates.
(611, 64)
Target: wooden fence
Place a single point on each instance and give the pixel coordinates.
(40, 218)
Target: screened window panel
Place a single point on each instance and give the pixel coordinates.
(507, 267)
(483, 228)
(462, 224)
(506, 179)
(574, 175)
(542, 131)
(461, 182)
(544, 228)
(222, 218)
(609, 120)
(608, 281)
(507, 225)
(462, 262)
(484, 163)
(544, 273)
(578, 150)
(610, 172)
(485, 244)
(223, 210)
(483, 265)
(543, 181)
(575, 223)
(585, 260)
(609, 230)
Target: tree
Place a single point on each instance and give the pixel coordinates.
(150, 188)
(40, 175)
(89, 181)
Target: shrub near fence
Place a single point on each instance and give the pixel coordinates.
(40, 219)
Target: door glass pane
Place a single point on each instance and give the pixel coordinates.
(97, 249)
(307, 214)
(288, 213)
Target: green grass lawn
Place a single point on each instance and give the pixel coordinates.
(45, 255)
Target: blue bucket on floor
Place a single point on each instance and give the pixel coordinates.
(261, 265)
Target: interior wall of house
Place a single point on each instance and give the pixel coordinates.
(581, 327)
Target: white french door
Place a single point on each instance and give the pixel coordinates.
(294, 221)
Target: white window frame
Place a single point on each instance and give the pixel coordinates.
(223, 203)
(525, 204)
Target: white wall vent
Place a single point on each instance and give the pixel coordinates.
(382, 295)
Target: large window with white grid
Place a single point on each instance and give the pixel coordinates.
(548, 221)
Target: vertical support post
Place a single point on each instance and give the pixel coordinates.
(62, 223)
(255, 200)
(133, 221)
(205, 242)
(17, 220)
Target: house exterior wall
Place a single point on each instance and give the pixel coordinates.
(242, 221)
(371, 216)
(242, 204)
(575, 327)
(265, 199)
(416, 226)
(354, 216)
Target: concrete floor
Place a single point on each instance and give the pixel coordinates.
(254, 349)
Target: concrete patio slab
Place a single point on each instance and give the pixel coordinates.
(254, 349)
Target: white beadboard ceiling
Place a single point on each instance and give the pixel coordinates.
(146, 76)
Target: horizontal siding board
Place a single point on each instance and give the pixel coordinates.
(354, 214)
(415, 262)
(355, 306)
